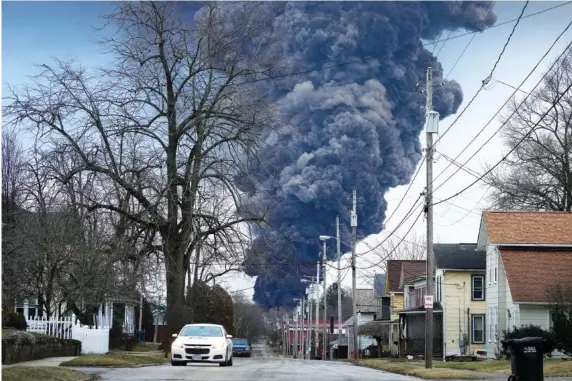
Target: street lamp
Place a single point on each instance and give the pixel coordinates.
(324, 238)
(296, 327)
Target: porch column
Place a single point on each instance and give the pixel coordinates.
(26, 310)
(110, 314)
(100, 316)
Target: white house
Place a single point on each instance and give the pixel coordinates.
(526, 253)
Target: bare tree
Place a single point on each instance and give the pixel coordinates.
(249, 319)
(174, 110)
(538, 173)
(12, 183)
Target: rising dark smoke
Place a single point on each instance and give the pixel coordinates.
(346, 126)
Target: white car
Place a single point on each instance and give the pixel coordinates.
(202, 343)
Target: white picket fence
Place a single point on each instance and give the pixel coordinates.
(59, 327)
(93, 341)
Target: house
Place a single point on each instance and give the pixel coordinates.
(412, 319)
(396, 269)
(526, 254)
(460, 288)
(366, 311)
(382, 300)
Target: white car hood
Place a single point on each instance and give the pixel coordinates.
(201, 340)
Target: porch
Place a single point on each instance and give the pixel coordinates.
(412, 331)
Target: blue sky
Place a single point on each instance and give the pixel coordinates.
(36, 32)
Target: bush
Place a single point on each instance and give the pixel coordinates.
(18, 346)
(529, 331)
(561, 311)
(14, 320)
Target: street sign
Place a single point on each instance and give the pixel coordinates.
(428, 301)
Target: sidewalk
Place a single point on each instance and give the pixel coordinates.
(51, 361)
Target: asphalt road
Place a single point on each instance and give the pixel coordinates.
(262, 366)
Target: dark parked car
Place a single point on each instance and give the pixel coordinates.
(241, 347)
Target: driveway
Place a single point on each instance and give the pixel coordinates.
(262, 366)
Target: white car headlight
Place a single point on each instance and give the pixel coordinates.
(220, 344)
(178, 344)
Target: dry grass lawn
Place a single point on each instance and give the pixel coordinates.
(558, 368)
(32, 373)
(114, 360)
(552, 367)
(415, 368)
(145, 347)
(489, 366)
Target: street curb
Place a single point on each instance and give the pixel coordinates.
(110, 367)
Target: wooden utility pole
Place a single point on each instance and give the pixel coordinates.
(354, 242)
(431, 127)
(339, 250)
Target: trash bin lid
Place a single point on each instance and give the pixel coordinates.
(525, 341)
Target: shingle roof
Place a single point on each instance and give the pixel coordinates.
(394, 273)
(530, 273)
(411, 269)
(460, 256)
(379, 285)
(529, 227)
(365, 301)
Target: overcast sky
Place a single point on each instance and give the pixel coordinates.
(36, 32)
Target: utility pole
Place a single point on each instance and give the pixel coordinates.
(309, 335)
(302, 335)
(354, 241)
(325, 262)
(317, 307)
(431, 127)
(295, 346)
(339, 284)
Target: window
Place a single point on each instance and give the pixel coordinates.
(202, 331)
(439, 288)
(496, 274)
(490, 275)
(478, 329)
(478, 287)
(490, 319)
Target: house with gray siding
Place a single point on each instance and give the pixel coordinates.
(526, 254)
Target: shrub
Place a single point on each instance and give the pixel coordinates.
(561, 311)
(14, 320)
(530, 331)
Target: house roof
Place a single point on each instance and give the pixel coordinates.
(393, 275)
(411, 270)
(379, 285)
(529, 227)
(459, 256)
(531, 273)
(365, 301)
(437, 307)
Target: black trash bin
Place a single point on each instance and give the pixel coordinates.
(526, 358)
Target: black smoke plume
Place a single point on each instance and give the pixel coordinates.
(344, 125)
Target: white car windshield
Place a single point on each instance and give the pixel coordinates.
(202, 330)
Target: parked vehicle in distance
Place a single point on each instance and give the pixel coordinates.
(202, 343)
(241, 347)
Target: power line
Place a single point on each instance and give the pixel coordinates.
(503, 23)
(460, 56)
(396, 246)
(511, 150)
(472, 100)
(366, 59)
(484, 83)
(505, 103)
